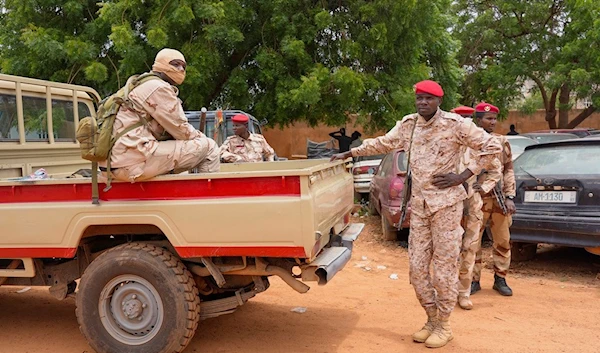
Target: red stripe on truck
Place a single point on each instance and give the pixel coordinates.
(37, 253)
(264, 251)
(183, 251)
(154, 190)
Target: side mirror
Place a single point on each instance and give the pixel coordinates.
(263, 122)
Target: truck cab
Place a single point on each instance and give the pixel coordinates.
(38, 124)
(222, 131)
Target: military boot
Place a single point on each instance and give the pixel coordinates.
(465, 302)
(441, 335)
(424, 333)
(501, 287)
(475, 287)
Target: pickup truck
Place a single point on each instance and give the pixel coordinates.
(156, 257)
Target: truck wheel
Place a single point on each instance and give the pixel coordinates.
(522, 251)
(137, 298)
(389, 232)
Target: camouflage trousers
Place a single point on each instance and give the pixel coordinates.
(434, 242)
(499, 227)
(175, 156)
(471, 242)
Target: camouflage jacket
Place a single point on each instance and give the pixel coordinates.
(253, 149)
(436, 149)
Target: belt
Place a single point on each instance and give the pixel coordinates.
(102, 169)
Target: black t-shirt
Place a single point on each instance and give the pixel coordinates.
(345, 142)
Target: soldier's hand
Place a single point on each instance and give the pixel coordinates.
(444, 181)
(342, 156)
(510, 206)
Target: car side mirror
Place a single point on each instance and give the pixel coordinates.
(401, 173)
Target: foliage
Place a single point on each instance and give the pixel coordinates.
(553, 43)
(284, 60)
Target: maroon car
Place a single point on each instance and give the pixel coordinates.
(385, 196)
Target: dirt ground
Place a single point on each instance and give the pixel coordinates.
(556, 308)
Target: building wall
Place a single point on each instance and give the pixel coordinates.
(291, 140)
(536, 121)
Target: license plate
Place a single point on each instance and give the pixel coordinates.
(551, 196)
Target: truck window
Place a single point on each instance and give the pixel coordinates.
(34, 116)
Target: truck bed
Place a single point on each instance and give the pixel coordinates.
(278, 209)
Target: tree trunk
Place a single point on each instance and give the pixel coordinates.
(563, 106)
(581, 117)
(551, 110)
(550, 118)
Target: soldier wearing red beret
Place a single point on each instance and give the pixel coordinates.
(434, 140)
(245, 146)
(503, 191)
(465, 112)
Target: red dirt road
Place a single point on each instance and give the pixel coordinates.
(556, 308)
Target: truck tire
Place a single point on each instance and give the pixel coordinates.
(137, 298)
(522, 251)
(389, 232)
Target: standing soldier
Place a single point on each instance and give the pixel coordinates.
(245, 146)
(498, 206)
(472, 219)
(434, 140)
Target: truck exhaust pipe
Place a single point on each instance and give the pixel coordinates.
(326, 265)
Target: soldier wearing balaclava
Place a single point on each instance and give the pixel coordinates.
(164, 142)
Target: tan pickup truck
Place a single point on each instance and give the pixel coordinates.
(156, 257)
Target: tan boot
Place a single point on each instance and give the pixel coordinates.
(465, 302)
(424, 333)
(441, 335)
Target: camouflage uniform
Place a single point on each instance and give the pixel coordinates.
(141, 154)
(253, 149)
(499, 222)
(435, 231)
(472, 220)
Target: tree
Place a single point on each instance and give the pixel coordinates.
(553, 43)
(285, 60)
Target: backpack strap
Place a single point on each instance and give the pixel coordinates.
(132, 83)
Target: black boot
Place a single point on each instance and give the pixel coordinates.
(475, 287)
(501, 287)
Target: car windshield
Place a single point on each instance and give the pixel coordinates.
(370, 158)
(559, 160)
(518, 145)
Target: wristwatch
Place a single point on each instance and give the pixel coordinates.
(510, 197)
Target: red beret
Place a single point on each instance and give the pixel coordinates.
(463, 110)
(240, 118)
(484, 107)
(429, 87)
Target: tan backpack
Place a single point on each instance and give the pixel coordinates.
(95, 134)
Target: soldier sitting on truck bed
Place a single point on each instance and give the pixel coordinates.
(143, 152)
(245, 146)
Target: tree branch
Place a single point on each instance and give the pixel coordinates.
(581, 117)
(540, 85)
